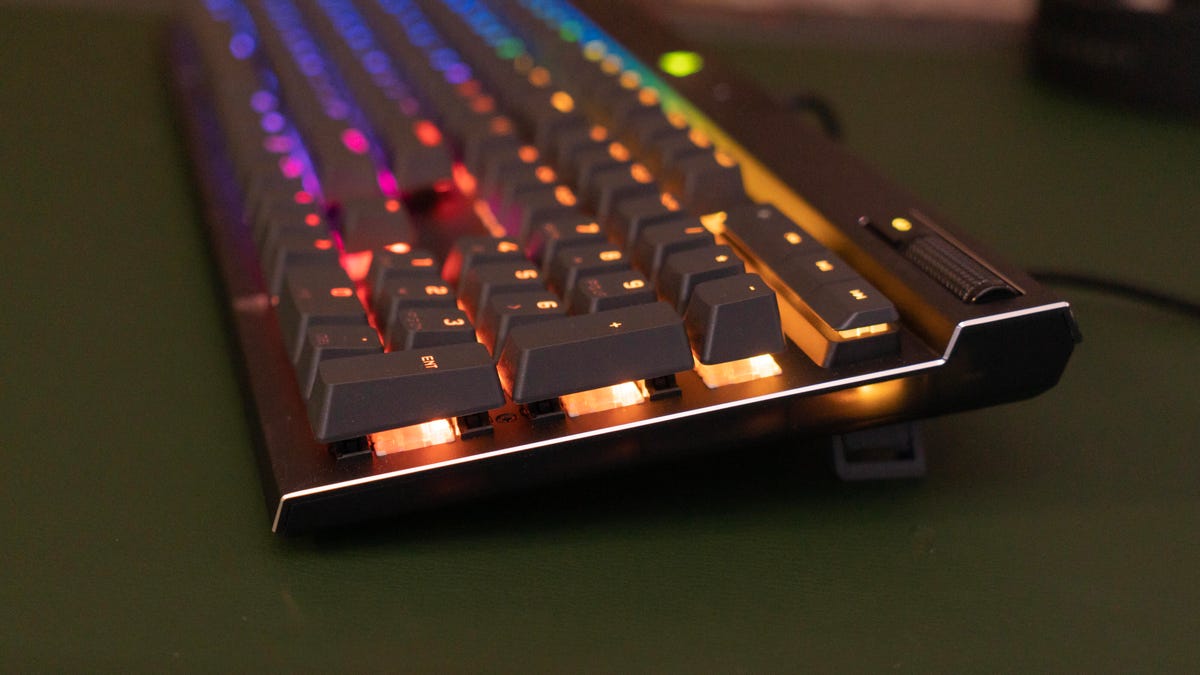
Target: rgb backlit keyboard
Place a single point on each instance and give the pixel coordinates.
(470, 246)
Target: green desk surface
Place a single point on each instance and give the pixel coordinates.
(1061, 533)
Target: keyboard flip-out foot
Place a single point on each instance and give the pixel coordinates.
(883, 453)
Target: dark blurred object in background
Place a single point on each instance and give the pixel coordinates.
(1144, 53)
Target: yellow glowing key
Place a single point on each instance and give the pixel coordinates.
(736, 372)
(604, 398)
(412, 437)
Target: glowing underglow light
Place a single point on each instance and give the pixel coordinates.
(714, 222)
(291, 166)
(241, 46)
(570, 31)
(865, 330)
(488, 218)
(427, 133)
(680, 63)
(278, 144)
(736, 372)
(500, 125)
(272, 123)
(355, 141)
(510, 48)
(387, 182)
(469, 88)
(901, 224)
(342, 292)
(356, 264)
(323, 244)
(413, 437)
(399, 248)
(463, 179)
(457, 73)
(302, 197)
(604, 398)
(312, 220)
(262, 101)
(594, 50)
(562, 101)
(539, 77)
(392, 205)
(563, 194)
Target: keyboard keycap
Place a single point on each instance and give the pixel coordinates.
(575, 263)
(373, 222)
(332, 342)
(506, 310)
(733, 318)
(296, 250)
(418, 327)
(682, 271)
(660, 240)
(551, 237)
(410, 291)
(610, 290)
(768, 235)
(488, 279)
(553, 358)
(389, 264)
(361, 395)
(315, 295)
(851, 304)
(472, 250)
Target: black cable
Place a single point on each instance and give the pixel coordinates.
(1122, 288)
(827, 116)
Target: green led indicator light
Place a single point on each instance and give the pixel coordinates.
(680, 64)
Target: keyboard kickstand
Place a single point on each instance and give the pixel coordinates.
(889, 452)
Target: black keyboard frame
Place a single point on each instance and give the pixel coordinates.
(954, 356)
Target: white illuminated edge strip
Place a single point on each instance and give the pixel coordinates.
(876, 375)
(999, 317)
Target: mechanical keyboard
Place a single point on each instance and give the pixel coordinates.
(470, 246)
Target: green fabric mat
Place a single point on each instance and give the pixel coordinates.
(1055, 534)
